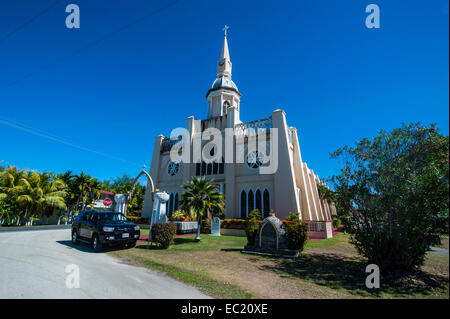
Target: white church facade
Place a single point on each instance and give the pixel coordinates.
(292, 187)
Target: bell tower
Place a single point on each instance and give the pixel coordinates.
(223, 92)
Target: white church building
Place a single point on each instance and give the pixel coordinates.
(292, 187)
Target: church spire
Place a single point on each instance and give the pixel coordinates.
(225, 54)
(224, 63)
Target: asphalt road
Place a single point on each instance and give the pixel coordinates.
(33, 265)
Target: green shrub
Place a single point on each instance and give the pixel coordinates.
(336, 222)
(251, 225)
(163, 234)
(392, 195)
(297, 231)
(206, 225)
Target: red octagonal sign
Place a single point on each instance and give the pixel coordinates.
(107, 202)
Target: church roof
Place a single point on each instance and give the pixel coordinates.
(224, 81)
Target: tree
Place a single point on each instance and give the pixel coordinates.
(392, 195)
(40, 194)
(122, 185)
(28, 194)
(7, 210)
(71, 192)
(84, 187)
(201, 197)
(9, 190)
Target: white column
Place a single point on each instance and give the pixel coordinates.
(284, 197)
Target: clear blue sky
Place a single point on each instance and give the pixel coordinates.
(337, 80)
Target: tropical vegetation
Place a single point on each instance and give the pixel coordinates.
(392, 195)
(27, 196)
(201, 198)
(297, 231)
(251, 226)
(163, 234)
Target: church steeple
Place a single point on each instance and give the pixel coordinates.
(224, 63)
(223, 92)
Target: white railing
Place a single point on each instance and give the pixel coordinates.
(168, 143)
(316, 226)
(246, 128)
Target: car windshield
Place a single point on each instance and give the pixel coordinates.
(113, 217)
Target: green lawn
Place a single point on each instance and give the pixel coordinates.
(327, 269)
(444, 243)
(180, 268)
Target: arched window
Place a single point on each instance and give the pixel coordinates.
(170, 211)
(203, 168)
(175, 204)
(226, 105)
(258, 200)
(221, 166)
(208, 169)
(243, 204)
(266, 203)
(251, 201)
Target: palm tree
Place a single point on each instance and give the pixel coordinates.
(41, 194)
(10, 189)
(33, 193)
(200, 197)
(71, 190)
(85, 186)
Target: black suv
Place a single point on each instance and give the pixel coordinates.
(104, 228)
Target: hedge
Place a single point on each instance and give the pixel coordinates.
(163, 234)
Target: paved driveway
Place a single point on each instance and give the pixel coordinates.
(33, 265)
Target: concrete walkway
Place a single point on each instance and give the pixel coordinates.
(33, 265)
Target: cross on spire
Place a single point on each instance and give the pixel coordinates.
(224, 29)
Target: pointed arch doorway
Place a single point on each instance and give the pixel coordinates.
(130, 193)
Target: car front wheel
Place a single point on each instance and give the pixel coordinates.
(74, 237)
(96, 244)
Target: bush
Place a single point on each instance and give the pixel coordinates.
(206, 226)
(163, 234)
(336, 222)
(297, 231)
(138, 220)
(180, 216)
(392, 195)
(233, 223)
(251, 226)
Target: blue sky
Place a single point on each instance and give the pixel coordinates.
(112, 92)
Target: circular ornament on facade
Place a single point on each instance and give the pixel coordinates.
(255, 159)
(173, 168)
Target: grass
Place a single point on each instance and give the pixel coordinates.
(444, 243)
(179, 268)
(204, 282)
(330, 268)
